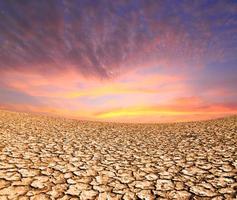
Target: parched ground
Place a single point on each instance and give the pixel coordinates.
(54, 158)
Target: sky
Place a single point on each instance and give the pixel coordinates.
(122, 61)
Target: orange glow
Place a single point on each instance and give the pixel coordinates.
(129, 98)
(176, 112)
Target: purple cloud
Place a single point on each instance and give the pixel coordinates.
(104, 38)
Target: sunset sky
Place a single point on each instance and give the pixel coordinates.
(115, 60)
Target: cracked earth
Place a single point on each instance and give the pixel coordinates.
(45, 158)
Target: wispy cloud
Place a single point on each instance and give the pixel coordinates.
(104, 38)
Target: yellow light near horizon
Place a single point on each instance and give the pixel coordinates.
(122, 113)
(151, 112)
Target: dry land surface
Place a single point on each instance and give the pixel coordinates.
(45, 158)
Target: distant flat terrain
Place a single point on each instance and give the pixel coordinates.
(54, 158)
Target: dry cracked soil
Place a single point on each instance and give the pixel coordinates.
(45, 158)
